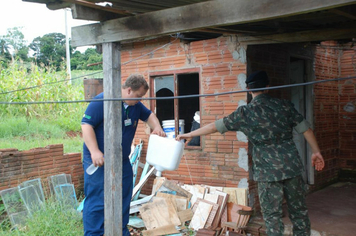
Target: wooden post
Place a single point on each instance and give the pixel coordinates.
(112, 140)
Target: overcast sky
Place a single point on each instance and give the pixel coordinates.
(36, 19)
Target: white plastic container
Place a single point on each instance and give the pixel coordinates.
(169, 128)
(164, 153)
(91, 169)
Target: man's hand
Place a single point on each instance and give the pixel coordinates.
(97, 158)
(318, 161)
(158, 131)
(186, 136)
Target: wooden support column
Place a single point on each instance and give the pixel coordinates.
(112, 140)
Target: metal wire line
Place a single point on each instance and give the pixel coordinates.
(185, 96)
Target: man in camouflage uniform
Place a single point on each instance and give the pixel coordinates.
(268, 123)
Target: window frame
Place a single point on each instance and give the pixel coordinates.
(175, 74)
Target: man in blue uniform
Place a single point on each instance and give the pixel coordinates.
(93, 152)
(268, 123)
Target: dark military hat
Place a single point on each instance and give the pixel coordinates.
(258, 79)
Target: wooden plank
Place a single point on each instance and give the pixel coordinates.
(211, 197)
(231, 233)
(213, 189)
(303, 36)
(163, 230)
(135, 205)
(200, 215)
(180, 203)
(224, 215)
(205, 232)
(112, 140)
(212, 214)
(87, 13)
(233, 211)
(222, 201)
(171, 209)
(196, 191)
(232, 194)
(180, 191)
(157, 183)
(98, 7)
(241, 195)
(185, 215)
(155, 214)
(195, 16)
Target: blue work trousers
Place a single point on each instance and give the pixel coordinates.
(93, 211)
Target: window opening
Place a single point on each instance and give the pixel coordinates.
(187, 110)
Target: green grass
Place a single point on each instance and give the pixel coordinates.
(23, 134)
(70, 145)
(51, 220)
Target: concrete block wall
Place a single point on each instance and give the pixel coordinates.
(222, 160)
(19, 166)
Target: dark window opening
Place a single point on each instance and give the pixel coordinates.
(188, 108)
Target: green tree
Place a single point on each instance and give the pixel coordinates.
(49, 49)
(13, 45)
(76, 60)
(16, 40)
(81, 61)
(92, 56)
(5, 55)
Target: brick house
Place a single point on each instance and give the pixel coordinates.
(222, 42)
(221, 65)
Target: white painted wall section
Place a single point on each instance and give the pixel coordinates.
(243, 159)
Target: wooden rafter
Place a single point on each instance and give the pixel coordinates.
(196, 16)
(93, 5)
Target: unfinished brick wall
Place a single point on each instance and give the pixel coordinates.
(326, 109)
(221, 61)
(19, 166)
(222, 64)
(347, 112)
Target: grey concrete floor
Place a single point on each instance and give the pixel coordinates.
(332, 211)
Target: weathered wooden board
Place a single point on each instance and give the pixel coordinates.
(212, 214)
(200, 216)
(163, 230)
(157, 214)
(194, 16)
(185, 215)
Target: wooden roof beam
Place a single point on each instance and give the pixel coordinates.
(195, 16)
(304, 36)
(342, 13)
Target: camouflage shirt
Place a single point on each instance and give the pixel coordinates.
(268, 123)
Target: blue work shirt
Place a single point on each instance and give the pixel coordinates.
(94, 116)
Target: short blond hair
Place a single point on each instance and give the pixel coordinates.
(135, 82)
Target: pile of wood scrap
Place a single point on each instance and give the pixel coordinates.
(172, 207)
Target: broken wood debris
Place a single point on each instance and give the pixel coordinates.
(203, 208)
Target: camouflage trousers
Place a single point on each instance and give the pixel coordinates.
(271, 196)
